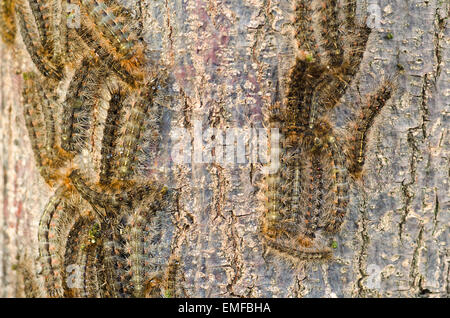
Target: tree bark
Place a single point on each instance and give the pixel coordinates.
(228, 61)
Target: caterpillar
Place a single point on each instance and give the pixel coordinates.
(362, 124)
(94, 271)
(337, 197)
(137, 259)
(34, 118)
(132, 133)
(139, 237)
(326, 32)
(147, 244)
(330, 88)
(78, 107)
(50, 269)
(127, 66)
(7, 21)
(48, 106)
(39, 113)
(291, 248)
(111, 131)
(56, 235)
(114, 199)
(171, 279)
(80, 247)
(39, 54)
(45, 14)
(115, 24)
(27, 270)
(115, 257)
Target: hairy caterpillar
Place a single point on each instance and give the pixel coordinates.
(115, 24)
(39, 54)
(118, 255)
(111, 131)
(138, 234)
(326, 32)
(27, 270)
(117, 195)
(362, 124)
(40, 119)
(50, 270)
(79, 258)
(146, 236)
(337, 197)
(48, 106)
(56, 237)
(137, 109)
(172, 273)
(128, 64)
(7, 21)
(77, 107)
(44, 13)
(291, 248)
(34, 118)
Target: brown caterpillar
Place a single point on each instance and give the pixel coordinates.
(117, 96)
(172, 273)
(34, 118)
(115, 24)
(118, 277)
(111, 131)
(50, 269)
(41, 58)
(81, 275)
(78, 106)
(326, 31)
(146, 242)
(291, 248)
(40, 122)
(337, 198)
(44, 13)
(48, 107)
(7, 21)
(56, 235)
(27, 270)
(137, 258)
(128, 67)
(117, 195)
(137, 109)
(362, 124)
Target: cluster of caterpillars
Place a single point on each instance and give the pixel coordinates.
(102, 232)
(306, 200)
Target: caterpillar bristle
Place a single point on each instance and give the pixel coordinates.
(8, 27)
(41, 58)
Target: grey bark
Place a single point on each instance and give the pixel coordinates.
(225, 58)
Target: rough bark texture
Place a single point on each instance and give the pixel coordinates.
(225, 58)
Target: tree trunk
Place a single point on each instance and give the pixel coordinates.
(228, 61)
